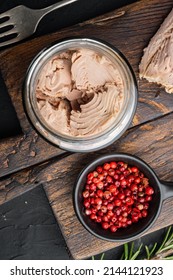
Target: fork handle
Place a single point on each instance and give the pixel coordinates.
(47, 10)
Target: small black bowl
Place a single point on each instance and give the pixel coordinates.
(162, 191)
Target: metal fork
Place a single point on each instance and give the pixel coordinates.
(24, 21)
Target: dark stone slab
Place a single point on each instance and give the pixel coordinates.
(28, 229)
(9, 123)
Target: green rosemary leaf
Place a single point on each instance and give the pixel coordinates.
(131, 250)
(102, 256)
(171, 236)
(168, 258)
(93, 258)
(152, 250)
(126, 251)
(170, 240)
(166, 248)
(165, 239)
(137, 253)
(122, 257)
(147, 252)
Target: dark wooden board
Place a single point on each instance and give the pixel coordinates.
(129, 29)
(153, 142)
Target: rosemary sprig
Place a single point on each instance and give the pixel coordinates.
(165, 250)
(150, 252)
(129, 253)
(165, 240)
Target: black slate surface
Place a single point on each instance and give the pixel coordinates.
(9, 123)
(28, 229)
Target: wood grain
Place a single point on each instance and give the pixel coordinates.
(153, 142)
(129, 29)
(150, 136)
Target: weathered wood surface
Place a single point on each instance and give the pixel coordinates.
(150, 136)
(153, 142)
(129, 29)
